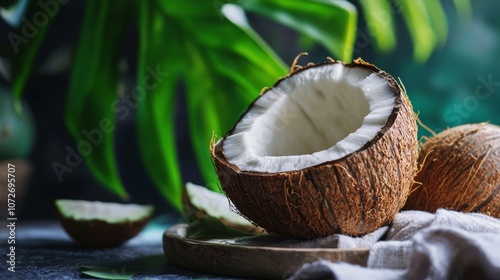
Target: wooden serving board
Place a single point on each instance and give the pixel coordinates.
(224, 257)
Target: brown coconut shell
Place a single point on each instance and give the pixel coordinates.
(460, 170)
(101, 234)
(353, 195)
(98, 233)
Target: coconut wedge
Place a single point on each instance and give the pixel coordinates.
(213, 204)
(98, 224)
(200, 202)
(330, 148)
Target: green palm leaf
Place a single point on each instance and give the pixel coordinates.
(331, 23)
(155, 119)
(227, 67)
(379, 18)
(93, 86)
(25, 49)
(418, 21)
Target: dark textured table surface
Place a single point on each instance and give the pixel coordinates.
(44, 251)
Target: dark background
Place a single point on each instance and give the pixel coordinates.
(437, 88)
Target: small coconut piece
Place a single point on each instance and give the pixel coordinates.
(200, 202)
(99, 224)
(331, 148)
(460, 170)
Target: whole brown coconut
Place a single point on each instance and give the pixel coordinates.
(460, 171)
(331, 148)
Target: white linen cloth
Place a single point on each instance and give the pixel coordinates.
(418, 245)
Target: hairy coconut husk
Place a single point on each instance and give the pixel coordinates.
(353, 195)
(460, 170)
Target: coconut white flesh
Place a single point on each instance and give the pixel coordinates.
(108, 212)
(215, 204)
(315, 116)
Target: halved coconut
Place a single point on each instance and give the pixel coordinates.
(100, 224)
(331, 148)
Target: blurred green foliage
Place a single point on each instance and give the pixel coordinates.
(460, 83)
(17, 129)
(223, 62)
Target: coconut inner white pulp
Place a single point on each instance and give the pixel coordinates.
(317, 115)
(109, 212)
